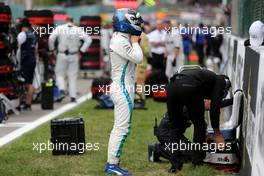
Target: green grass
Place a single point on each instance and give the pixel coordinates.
(19, 159)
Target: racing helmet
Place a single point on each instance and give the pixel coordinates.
(128, 21)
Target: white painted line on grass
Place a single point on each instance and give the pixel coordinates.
(19, 132)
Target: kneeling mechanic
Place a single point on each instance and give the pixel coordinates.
(187, 91)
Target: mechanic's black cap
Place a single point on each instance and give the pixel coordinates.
(227, 82)
(25, 22)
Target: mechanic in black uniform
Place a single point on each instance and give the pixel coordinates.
(168, 135)
(27, 49)
(188, 90)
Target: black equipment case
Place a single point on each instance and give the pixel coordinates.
(67, 135)
(47, 99)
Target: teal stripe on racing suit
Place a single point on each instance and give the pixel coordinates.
(130, 105)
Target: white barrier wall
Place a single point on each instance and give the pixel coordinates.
(258, 161)
(245, 67)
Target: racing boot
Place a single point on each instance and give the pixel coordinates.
(114, 169)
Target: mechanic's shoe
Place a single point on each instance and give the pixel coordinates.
(114, 169)
(173, 170)
(27, 107)
(18, 108)
(62, 96)
(73, 100)
(153, 155)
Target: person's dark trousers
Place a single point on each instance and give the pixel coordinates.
(200, 53)
(208, 50)
(158, 62)
(183, 91)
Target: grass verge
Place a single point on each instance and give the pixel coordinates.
(19, 158)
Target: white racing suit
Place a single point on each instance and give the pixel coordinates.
(69, 39)
(124, 57)
(173, 41)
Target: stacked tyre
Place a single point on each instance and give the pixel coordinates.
(91, 60)
(5, 18)
(43, 24)
(40, 17)
(7, 70)
(5, 21)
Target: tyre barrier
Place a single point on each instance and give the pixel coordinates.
(5, 18)
(42, 21)
(5, 46)
(91, 59)
(40, 17)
